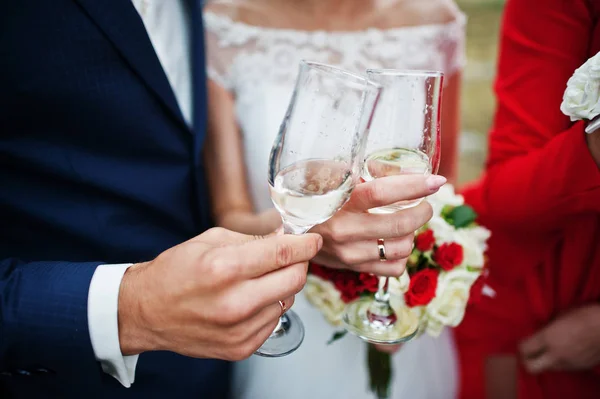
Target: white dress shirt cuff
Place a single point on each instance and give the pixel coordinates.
(103, 305)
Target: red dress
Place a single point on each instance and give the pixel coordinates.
(540, 196)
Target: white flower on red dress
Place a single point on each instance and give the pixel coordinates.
(581, 100)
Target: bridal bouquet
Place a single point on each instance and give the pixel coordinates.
(444, 273)
(581, 100)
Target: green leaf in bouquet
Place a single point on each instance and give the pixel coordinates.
(366, 294)
(424, 263)
(461, 216)
(427, 258)
(413, 259)
(337, 335)
(446, 210)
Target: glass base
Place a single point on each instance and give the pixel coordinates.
(383, 330)
(285, 339)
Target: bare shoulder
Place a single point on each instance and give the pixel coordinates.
(399, 13)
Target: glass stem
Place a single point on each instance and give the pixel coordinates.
(382, 294)
(380, 313)
(290, 228)
(279, 328)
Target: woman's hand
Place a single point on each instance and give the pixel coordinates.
(571, 342)
(350, 237)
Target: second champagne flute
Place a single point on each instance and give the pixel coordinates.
(404, 139)
(315, 162)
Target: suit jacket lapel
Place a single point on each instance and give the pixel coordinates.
(121, 24)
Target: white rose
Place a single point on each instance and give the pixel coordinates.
(434, 328)
(398, 286)
(419, 311)
(324, 296)
(473, 241)
(581, 98)
(480, 235)
(442, 230)
(444, 196)
(451, 297)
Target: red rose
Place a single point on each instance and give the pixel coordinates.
(421, 289)
(347, 285)
(369, 282)
(425, 241)
(323, 272)
(448, 255)
(350, 284)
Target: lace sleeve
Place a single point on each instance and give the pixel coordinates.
(222, 46)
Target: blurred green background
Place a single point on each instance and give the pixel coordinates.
(478, 104)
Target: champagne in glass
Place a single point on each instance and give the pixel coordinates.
(315, 162)
(309, 192)
(404, 139)
(395, 161)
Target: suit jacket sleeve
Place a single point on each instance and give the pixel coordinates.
(540, 171)
(43, 318)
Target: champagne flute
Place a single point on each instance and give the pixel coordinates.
(315, 162)
(404, 139)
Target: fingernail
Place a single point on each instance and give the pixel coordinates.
(319, 242)
(434, 182)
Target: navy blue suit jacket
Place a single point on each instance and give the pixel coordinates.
(96, 166)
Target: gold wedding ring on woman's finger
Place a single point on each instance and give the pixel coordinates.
(381, 249)
(283, 308)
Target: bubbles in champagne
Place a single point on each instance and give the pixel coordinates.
(392, 162)
(396, 161)
(310, 192)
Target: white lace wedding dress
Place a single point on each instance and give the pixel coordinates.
(258, 66)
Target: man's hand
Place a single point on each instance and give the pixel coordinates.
(571, 342)
(350, 237)
(214, 296)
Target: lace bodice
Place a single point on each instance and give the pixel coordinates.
(258, 65)
(240, 54)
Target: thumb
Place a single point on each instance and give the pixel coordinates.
(218, 236)
(263, 256)
(277, 232)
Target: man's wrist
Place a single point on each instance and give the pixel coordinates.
(134, 335)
